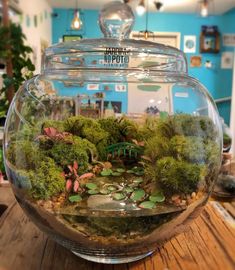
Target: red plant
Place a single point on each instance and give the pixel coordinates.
(53, 134)
(73, 179)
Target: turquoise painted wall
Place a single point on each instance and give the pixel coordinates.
(218, 81)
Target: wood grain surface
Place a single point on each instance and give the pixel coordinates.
(209, 243)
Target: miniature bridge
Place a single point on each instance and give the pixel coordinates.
(124, 149)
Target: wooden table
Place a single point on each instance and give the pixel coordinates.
(208, 244)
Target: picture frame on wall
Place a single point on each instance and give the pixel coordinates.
(196, 61)
(190, 44)
(71, 37)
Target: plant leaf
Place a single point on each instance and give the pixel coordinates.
(91, 186)
(127, 189)
(138, 180)
(147, 205)
(93, 191)
(116, 174)
(120, 170)
(75, 198)
(157, 197)
(106, 172)
(118, 196)
(137, 195)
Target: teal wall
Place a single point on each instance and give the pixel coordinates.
(218, 81)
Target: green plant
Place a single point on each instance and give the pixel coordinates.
(178, 176)
(12, 45)
(47, 180)
(2, 168)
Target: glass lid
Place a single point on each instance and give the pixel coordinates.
(115, 50)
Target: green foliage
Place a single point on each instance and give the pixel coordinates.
(2, 168)
(89, 129)
(12, 44)
(178, 176)
(128, 129)
(25, 155)
(156, 147)
(111, 126)
(86, 128)
(59, 125)
(47, 180)
(65, 154)
(199, 126)
(188, 148)
(226, 139)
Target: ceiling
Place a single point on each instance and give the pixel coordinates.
(177, 6)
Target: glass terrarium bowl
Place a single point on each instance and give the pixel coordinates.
(113, 148)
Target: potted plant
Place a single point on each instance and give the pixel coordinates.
(12, 45)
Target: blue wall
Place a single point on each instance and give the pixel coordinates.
(218, 81)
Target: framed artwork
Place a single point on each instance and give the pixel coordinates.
(229, 40)
(227, 60)
(196, 61)
(71, 37)
(189, 44)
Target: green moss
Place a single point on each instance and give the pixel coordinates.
(59, 125)
(111, 126)
(65, 154)
(156, 147)
(188, 148)
(226, 139)
(178, 176)
(47, 180)
(25, 155)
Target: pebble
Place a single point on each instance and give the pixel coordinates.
(175, 197)
(193, 195)
(177, 201)
(183, 202)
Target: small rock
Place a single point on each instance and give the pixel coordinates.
(177, 202)
(183, 202)
(193, 195)
(107, 165)
(175, 197)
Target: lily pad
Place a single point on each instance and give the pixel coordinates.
(137, 195)
(116, 174)
(104, 191)
(112, 188)
(157, 197)
(106, 172)
(128, 189)
(75, 198)
(93, 191)
(120, 170)
(118, 196)
(147, 205)
(138, 180)
(91, 186)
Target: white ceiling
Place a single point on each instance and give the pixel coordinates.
(178, 6)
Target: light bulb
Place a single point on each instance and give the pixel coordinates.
(204, 10)
(140, 9)
(76, 22)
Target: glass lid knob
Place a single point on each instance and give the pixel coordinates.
(116, 20)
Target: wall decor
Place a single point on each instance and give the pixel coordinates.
(189, 44)
(92, 86)
(196, 61)
(120, 87)
(229, 40)
(209, 39)
(227, 60)
(71, 37)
